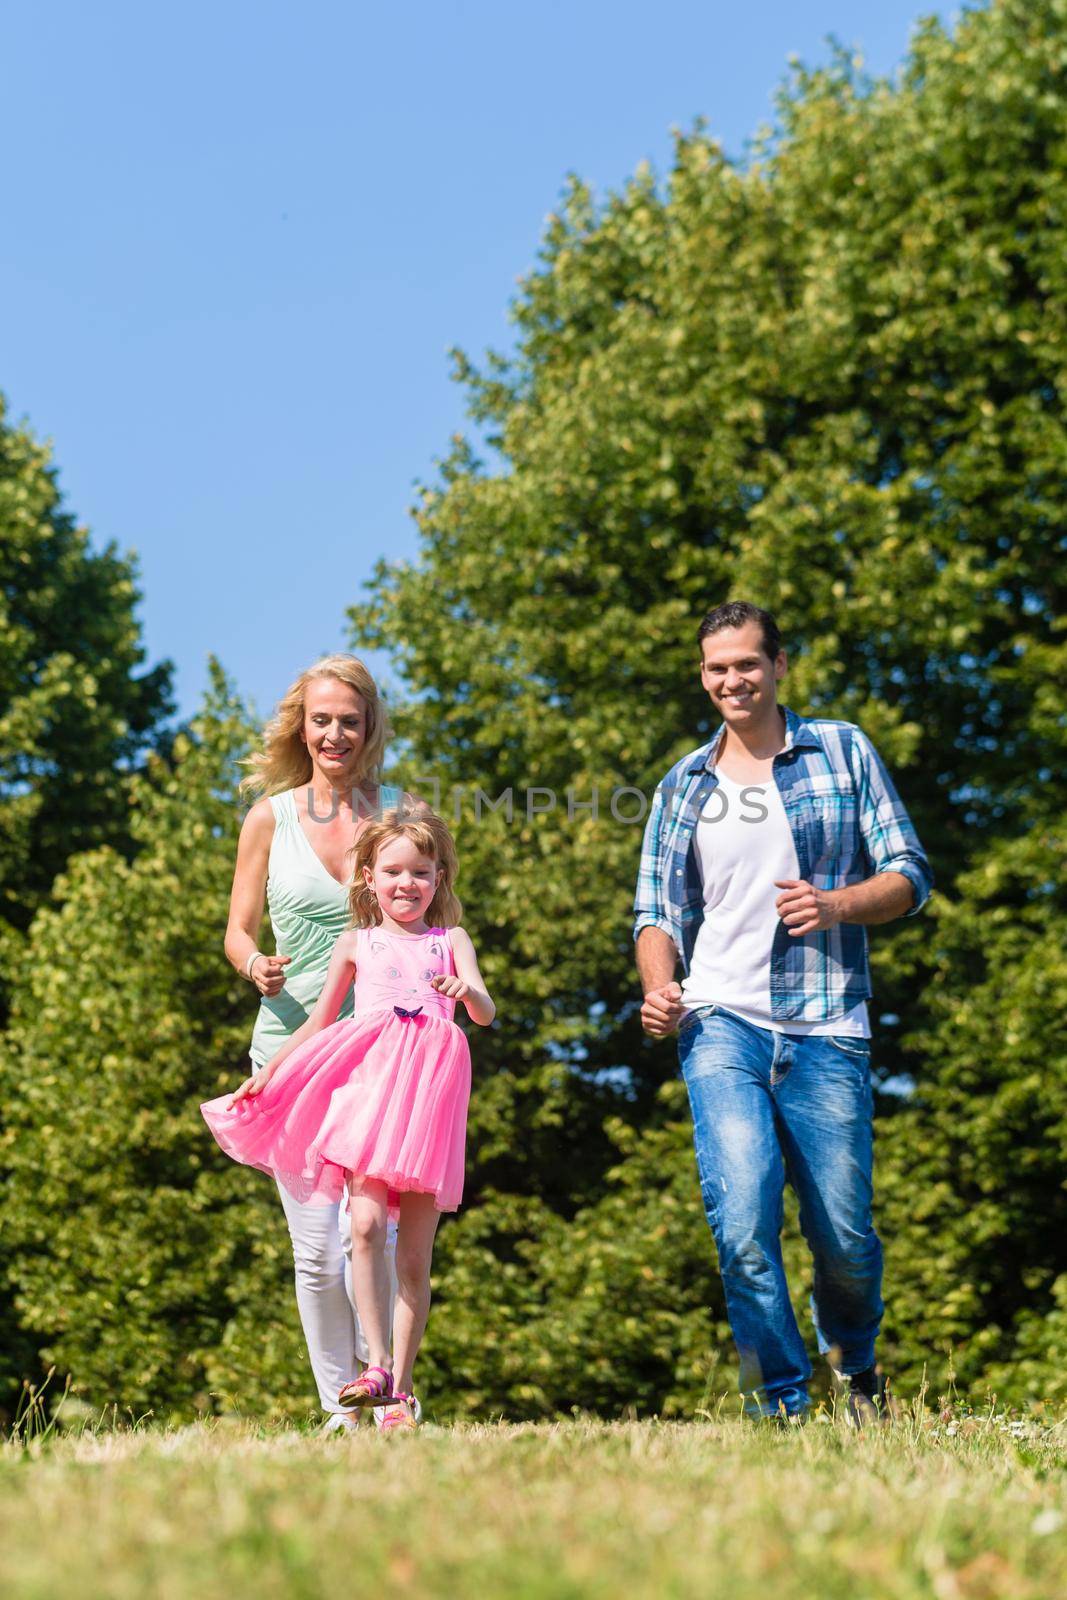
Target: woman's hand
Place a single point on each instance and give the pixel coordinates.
(454, 988)
(252, 1086)
(268, 974)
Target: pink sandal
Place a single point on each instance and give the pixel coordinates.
(400, 1415)
(373, 1387)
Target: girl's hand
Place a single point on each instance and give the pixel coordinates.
(454, 988)
(468, 985)
(253, 1085)
(268, 974)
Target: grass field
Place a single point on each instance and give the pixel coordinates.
(927, 1506)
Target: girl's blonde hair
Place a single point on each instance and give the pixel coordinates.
(429, 834)
(284, 762)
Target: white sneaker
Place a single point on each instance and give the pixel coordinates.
(340, 1422)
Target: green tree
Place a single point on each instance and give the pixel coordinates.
(142, 1261)
(77, 710)
(974, 1204)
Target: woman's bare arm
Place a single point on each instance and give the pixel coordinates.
(247, 899)
(339, 976)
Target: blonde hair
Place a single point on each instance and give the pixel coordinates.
(429, 834)
(284, 762)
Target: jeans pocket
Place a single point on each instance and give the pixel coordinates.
(693, 1018)
(849, 1045)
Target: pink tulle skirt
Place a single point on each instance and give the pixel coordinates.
(378, 1097)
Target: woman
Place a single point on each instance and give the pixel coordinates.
(316, 771)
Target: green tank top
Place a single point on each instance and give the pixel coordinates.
(308, 910)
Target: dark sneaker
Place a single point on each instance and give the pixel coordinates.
(866, 1396)
(787, 1421)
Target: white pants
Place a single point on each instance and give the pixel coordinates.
(322, 1258)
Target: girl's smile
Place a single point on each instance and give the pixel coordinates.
(404, 882)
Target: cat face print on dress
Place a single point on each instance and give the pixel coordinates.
(406, 965)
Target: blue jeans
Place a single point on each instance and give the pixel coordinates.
(768, 1107)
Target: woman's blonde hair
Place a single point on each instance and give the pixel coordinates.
(429, 834)
(284, 762)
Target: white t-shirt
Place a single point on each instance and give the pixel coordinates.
(744, 845)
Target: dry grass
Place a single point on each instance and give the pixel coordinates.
(583, 1508)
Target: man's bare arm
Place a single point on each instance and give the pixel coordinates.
(657, 959)
(883, 898)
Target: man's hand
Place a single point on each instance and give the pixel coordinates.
(662, 1010)
(807, 910)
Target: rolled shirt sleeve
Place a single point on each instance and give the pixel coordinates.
(889, 836)
(650, 910)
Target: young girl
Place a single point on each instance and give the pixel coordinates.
(379, 1099)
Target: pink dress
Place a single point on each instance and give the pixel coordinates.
(381, 1094)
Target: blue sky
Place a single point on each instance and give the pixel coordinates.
(241, 238)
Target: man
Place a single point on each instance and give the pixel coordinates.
(767, 853)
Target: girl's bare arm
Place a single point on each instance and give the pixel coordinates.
(468, 985)
(339, 976)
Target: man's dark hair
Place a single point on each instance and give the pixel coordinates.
(735, 614)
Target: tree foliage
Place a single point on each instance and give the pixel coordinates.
(973, 1177)
(76, 708)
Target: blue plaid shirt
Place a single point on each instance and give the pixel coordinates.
(848, 824)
